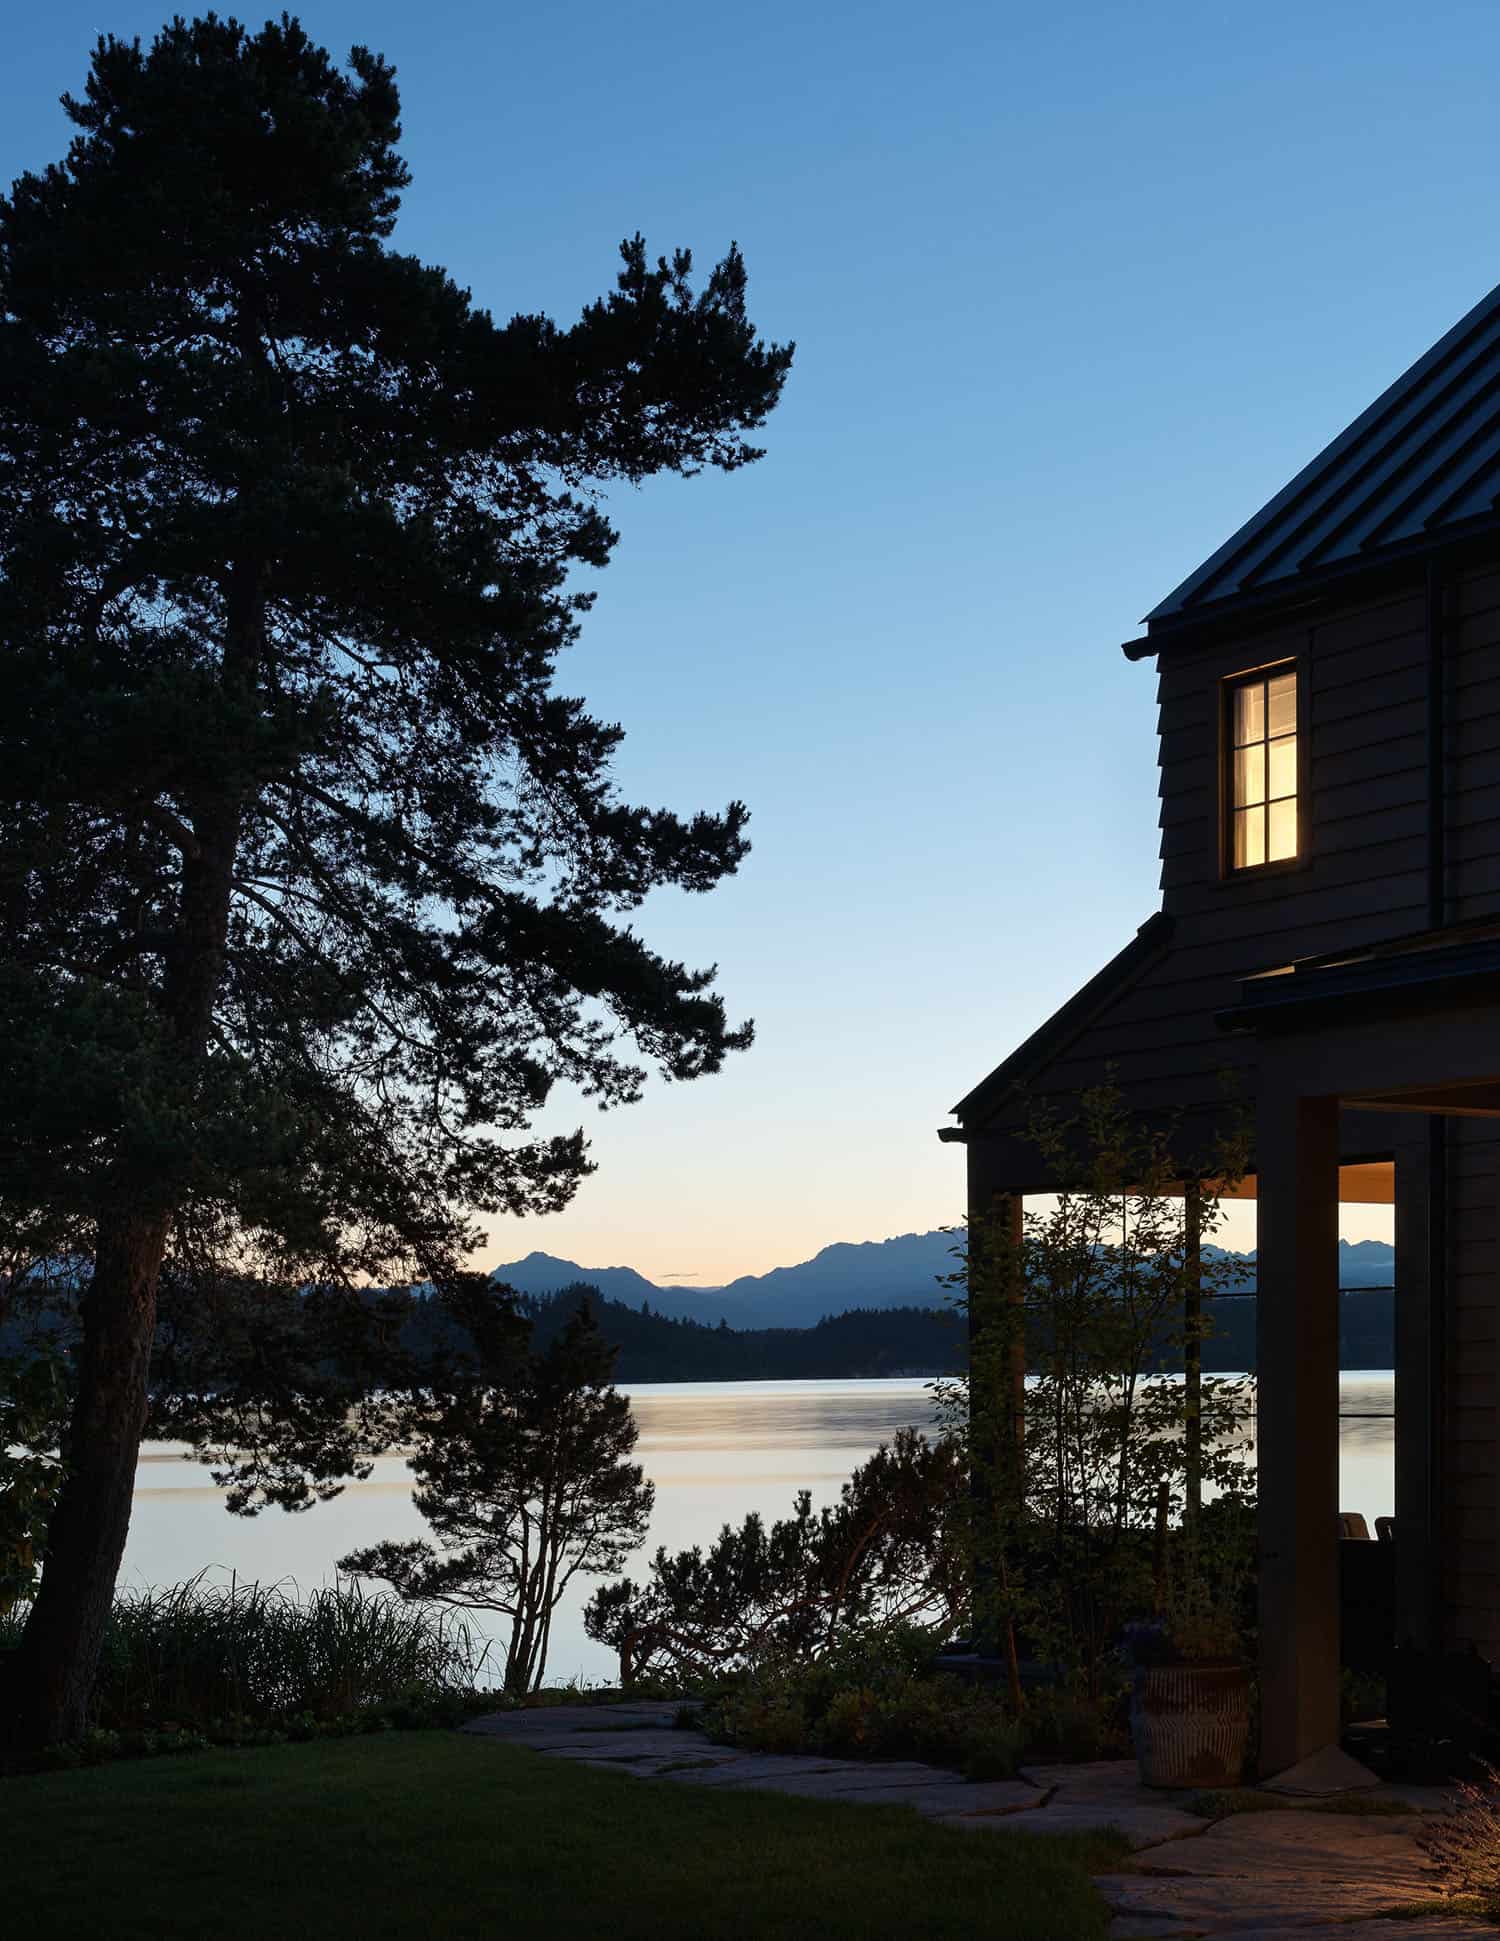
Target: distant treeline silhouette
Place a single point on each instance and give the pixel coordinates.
(655, 1348)
(1367, 1333)
(870, 1342)
(1367, 1330)
(860, 1342)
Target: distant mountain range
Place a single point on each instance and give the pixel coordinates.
(901, 1272)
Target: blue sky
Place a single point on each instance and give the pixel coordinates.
(1074, 291)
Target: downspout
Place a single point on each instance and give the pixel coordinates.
(1437, 1126)
(1437, 832)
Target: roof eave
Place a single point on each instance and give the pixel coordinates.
(1381, 419)
(1283, 600)
(1052, 1037)
(1424, 968)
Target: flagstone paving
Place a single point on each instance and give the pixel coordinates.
(1298, 1872)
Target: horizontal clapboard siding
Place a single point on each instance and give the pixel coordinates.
(1364, 776)
(1370, 627)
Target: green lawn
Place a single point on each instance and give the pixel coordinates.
(430, 1834)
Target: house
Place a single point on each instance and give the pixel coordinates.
(1329, 747)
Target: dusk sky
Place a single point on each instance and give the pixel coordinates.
(1073, 294)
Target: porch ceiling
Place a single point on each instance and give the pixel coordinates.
(1369, 1182)
(1480, 1100)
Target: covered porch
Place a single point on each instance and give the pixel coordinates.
(1406, 1039)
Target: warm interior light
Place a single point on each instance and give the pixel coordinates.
(1263, 771)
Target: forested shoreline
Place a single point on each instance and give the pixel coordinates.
(861, 1343)
(871, 1343)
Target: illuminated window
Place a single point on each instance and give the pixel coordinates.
(1263, 769)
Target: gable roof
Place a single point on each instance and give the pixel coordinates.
(1423, 459)
(1049, 1040)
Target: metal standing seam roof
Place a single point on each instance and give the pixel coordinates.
(1424, 457)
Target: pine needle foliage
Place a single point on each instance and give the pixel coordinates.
(314, 885)
(523, 1473)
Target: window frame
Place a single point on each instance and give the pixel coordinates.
(1229, 685)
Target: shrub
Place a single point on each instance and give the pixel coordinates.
(1064, 1725)
(887, 1556)
(852, 1725)
(234, 1661)
(944, 1723)
(872, 1698)
(761, 1722)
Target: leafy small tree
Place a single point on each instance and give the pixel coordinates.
(888, 1553)
(312, 884)
(1101, 1291)
(522, 1461)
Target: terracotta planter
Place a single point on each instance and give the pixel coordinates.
(1190, 1724)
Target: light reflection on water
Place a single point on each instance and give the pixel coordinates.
(715, 1450)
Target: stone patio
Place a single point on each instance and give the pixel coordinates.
(1255, 1876)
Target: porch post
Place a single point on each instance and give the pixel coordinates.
(997, 1394)
(1419, 1290)
(1192, 1353)
(1297, 1333)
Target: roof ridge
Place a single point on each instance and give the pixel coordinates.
(1368, 477)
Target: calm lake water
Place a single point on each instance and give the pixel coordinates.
(715, 1450)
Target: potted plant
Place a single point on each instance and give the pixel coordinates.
(1190, 1704)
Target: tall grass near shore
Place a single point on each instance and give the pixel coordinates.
(200, 1652)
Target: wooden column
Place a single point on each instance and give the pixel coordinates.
(1192, 1351)
(997, 1390)
(1297, 1327)
(1419, 1276)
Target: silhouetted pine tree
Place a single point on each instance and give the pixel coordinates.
(311, 883)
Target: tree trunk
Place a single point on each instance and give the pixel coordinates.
(52, 1672)
(51, 1679)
